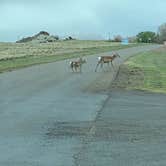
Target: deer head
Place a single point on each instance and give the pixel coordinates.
(82, 60)
(115, 55)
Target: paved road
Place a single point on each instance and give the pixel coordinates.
(129, 131)
(47, 112)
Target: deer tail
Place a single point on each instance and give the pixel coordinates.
(99, 58)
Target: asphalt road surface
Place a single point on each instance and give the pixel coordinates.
(50, 116)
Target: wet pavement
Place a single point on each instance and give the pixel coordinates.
(130, 130)
(51, 116)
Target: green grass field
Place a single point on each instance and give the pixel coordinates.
(18, 55)
(153, 66)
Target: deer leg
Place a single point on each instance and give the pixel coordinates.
(101, 66)
(80, 68)
(75, 68)
(112, 64)
(97, 66)
(72, 69)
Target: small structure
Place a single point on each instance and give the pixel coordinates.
(164, 43)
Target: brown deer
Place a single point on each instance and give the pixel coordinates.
(77, 65)
(106, 59)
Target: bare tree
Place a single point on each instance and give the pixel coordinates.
(118, 38)
(162, 33)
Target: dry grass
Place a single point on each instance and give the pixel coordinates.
(11, 50)
(152, 67)
(18, 55)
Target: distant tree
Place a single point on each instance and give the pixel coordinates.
(70, 38)
(44, 33)
(158, 38)
(56, 37)
(146, 37)
(162, 33)
(117, 38)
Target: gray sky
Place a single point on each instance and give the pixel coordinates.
(86, 19)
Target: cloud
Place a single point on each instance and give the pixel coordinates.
(79, 17)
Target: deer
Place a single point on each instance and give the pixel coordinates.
(77, 64)
(106, 59)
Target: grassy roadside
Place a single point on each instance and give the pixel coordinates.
(146, 71)
(9, 64)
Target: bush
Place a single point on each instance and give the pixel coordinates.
(118, 38)
(147, 37)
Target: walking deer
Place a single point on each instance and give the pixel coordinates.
(106, 59)
(77, 65)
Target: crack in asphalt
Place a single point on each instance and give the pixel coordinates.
(92, 131)
(54, 108)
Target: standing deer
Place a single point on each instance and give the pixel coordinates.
(106, 59)
(77, 65)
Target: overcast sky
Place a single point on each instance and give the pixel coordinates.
(88, 19)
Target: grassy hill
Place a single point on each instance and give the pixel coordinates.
(146, 71)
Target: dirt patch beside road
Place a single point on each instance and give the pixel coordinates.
(123, 77)
(128, 78)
